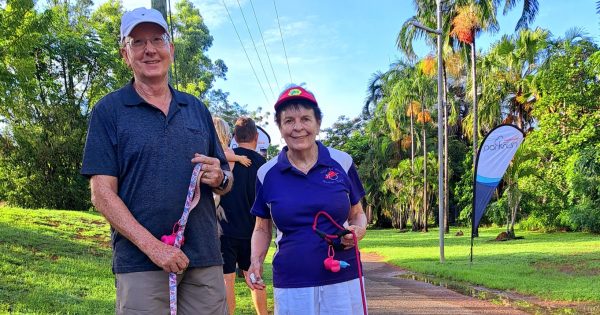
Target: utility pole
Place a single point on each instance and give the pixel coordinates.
(440, 123)
(161, 6)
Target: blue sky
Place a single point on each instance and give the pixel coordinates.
(334, 46)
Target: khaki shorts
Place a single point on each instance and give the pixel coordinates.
(199, 291)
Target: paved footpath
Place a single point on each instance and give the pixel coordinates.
(388, 294)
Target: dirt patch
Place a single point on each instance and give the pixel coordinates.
(99, 239)
(48, 222)
(97, 252)
(575, 268)
(94, 222)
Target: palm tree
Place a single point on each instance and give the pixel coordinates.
(384, 106)
(374, 94)
(528, 14)
(423, 85)
(412, 109)
(510, 67)
(426, 15)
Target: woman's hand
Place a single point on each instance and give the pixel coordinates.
(244, 160)
(254, 277)
(348, 239)
(358, 222)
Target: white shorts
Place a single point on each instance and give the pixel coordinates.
(334, 299)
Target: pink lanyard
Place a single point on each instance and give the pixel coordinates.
(192, 199)
(329, 238)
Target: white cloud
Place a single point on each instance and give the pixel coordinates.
(132, 4)
(214, 12)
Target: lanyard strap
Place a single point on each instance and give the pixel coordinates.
(192, 199)
(329, 238)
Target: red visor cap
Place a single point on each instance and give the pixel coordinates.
(295, 93)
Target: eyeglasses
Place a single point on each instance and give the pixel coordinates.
(157, 41)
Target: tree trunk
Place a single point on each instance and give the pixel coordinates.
(412, 170)
(514, 201)
(511, 232)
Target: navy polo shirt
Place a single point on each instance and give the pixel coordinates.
(292, 199)
(150, 155)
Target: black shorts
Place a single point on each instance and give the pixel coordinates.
(235, 250)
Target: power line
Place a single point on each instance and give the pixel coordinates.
(282, 43)
(265, 44)
(246, 53)
(255, 49)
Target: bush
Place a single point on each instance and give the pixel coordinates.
(497, 212)
(533, 223)
(585, 217)
(583, 176)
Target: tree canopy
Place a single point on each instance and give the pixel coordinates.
(56, 62)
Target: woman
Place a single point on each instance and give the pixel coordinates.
(304, 179)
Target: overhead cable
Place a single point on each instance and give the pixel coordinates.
(282, 43)
(265, 44)
(255, 49)
(246, 53)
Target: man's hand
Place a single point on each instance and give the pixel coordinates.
(167, 257)
(213, 175)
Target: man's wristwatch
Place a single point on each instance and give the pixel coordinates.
(224, 182)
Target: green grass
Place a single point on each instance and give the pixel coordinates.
(59, 262)
(243, 299)
(556, 266)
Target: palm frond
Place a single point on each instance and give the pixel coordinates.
(530, 10)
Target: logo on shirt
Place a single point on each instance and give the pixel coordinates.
(331, 175)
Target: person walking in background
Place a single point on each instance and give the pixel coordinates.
(237, 228)
(142, 144)
(225, 137)
(292, 188)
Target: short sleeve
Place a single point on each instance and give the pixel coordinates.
(260, 207)
(357, 190)
(99, 155)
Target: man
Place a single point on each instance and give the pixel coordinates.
(239, 223)
(142, 144)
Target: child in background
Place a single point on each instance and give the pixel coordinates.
(224, 137)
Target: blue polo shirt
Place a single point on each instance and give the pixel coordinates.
(150, 155)
(292, 199)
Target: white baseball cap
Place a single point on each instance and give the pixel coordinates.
(141, 15)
